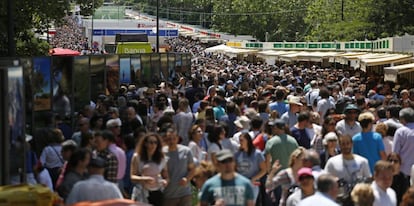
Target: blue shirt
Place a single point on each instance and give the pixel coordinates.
(236, 192)
(248, 165)
(368, 145)
(280, 107)
(218, 112)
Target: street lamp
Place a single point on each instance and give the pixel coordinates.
(93, 11)
(158, 28)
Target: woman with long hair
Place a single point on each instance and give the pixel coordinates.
(250, 162)
(286, 177)
(196, 135)
(215, 136)
(149, 170)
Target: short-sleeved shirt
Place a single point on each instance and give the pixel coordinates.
(344, 129)
(368, 145)
(348, 170)
(178, 162)
(236, 192)
(248, 165)
(301, 137)
(280, 147)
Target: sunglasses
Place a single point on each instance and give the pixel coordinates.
(394, 160)
(151, 142)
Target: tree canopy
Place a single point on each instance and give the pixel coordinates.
(35, 16)
(287, 20)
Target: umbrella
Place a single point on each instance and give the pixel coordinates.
(63, 52)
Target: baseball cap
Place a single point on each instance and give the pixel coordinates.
(304, 171)
(224, 154)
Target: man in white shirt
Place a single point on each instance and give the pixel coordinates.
(348, 166)
(383, 175)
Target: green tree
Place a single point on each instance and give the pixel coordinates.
(30, 15)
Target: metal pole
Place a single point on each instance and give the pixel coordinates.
(10, 28)
(93, 8)
(158, 28)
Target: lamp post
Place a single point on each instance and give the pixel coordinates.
(158, 28)
(93, 11)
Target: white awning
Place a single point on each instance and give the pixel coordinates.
(391, 73)
(218, 48)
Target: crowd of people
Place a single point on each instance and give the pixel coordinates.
(70, 35)
(239, 133)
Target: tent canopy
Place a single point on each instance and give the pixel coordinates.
(63, 52)
(391, 73)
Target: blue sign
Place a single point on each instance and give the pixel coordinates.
(149, 32)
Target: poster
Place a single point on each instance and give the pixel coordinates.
(27, 65)
(146, 69)
(81, 86)
(16, 104)
(171, 67)
(97, 76)
(125, 70)
(62, 86)
(136, 69)
(155, 67)
(178, 62)
(112, 74)
(41, 84)
(164, 66)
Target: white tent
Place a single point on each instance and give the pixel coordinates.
(391, 73)
(384, 60)
(218, 49)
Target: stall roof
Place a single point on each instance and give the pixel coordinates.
(385, 59)
(391, 73)
(218, 48)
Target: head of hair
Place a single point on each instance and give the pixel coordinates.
(408, 197)
(313, 157)
(382, 128)
(94, 119)
(393, 155)
(303, 116)
(326, 182)
(230, 107)
(382, 112)
(362, 194)
(214, 134)
(382, 165)
(77, 156)
(85, 139)
(394, 110)
(142, 149)
(193, 131)
(205, 169)
(108, 135)
(324, 93)
(256, 122)
(365, 119)
(183, 103)
(295, 154)
(262, 106)
(407, 114)
(130, 141)
(250, 146)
